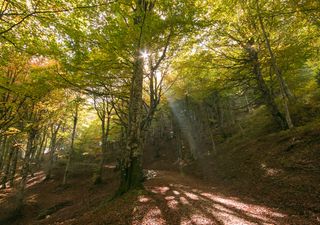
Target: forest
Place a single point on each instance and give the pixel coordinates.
(159, 112)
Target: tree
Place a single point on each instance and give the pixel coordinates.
(104, 110)
(75, 116)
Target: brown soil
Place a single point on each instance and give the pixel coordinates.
(169, 198)
(67, 202)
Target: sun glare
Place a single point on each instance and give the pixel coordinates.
(144, 54)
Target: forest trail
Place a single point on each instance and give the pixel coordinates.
(170, 198)
(181, 199)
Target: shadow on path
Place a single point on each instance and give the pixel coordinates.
(175, 199)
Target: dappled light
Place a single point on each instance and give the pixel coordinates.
(196, 219)
(184, 201)
(38, 177)
(143, 199)
(160, 190)
(151, 216)
(191, 195)
(159, 112)
(197, 206)
(176, 192)
(172, 203)
(32, 199)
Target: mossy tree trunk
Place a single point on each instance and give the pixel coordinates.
(131, 168)
(131, 163)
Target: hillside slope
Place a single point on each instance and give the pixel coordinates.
(280, 169)
(274, 179)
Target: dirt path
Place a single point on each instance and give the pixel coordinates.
(178, 199)
(170, 199)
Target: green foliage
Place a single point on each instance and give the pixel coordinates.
(89, 139)
(54, 53)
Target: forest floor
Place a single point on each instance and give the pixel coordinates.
(170, 198)
(270, 180)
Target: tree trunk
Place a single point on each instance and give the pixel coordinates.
(180, 148)
(14, 165)
(7, 167)
(41, 149)
(75, 121)
(285, 92)
(104, 146)
(131, 172)
(2, 141)
(25, 167)
(53, 142)
(3, 149)
(98, 178)
(220, 114)
(263, 88)
(210, 129)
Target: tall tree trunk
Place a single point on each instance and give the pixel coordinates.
(7, 167)
(54, 131)
(180, 150)
(210, 129)
(285, 92)
(25, 167)
(104, 146)
(3, 149)
(33, 162)
(41, 149)
(131, 171)
(75, 121)
(220, 114)
(14, 165)
(263, 88)
(98, 178)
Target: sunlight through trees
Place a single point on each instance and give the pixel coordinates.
(142, 83)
